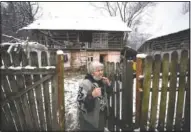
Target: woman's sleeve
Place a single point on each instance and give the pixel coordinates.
(85, 96)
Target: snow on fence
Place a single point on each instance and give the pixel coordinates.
(155, 97)
(31, 85)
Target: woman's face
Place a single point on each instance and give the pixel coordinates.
(98, 74)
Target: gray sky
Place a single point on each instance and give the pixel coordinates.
(163, 12)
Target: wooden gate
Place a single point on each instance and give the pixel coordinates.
(32, 91)
(155, 97)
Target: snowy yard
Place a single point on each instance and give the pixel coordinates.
(71, 85)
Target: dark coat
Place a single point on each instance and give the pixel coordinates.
(87, 104)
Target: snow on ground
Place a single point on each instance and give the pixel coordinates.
(71, 85)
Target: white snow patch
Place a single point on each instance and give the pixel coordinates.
(141, 55)
(15, 68)
(88, 23)
(2, 67)
(49, 67)
(59, 52)
(71, 89)
(141, 76)
(29, 67)
(27, 46)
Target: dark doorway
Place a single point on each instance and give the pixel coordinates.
(102, 58)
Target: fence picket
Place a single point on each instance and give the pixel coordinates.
(44, 59)
(139, 71)
(117, 97)
(111, 77)
(165, 71)
(146, 91)
(61, 97)
(4, 122)
(110, 101)
(172, 90)
(129, 96)
(55, 126)
(23, 104)
(155, 90)
(186, 124)
(38, 90)
(10, 90)
(127, 80)
(181, 89)
(31, 97)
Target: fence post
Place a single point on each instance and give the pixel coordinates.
(60, 81)
(139, 71)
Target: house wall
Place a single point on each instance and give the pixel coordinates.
(114, 56)
(75, 39)
(76, 59)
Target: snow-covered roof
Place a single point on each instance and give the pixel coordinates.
(90, 23)
(173, 26)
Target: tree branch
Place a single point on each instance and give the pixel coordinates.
(108, 7)
(120, 12)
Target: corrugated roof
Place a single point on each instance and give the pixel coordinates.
(90, 23)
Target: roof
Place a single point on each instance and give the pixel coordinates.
(90, 23)
(172, 26)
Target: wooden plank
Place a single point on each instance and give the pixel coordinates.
(61, 97)
(127, 81)
(4, 122)
(124, 83)
(112, 70)
(128, 99)
(146, 91)
(10, 86)
(117, 95)
(17, 95)
(110, 101)
(186, 124)
(55, 125)
(165, 71)
(181, 89)
(154, 101)
(23, 105)
(30, 94)
(38, 91)
(28, 71)
(172, 92)
(44, 59)
(138, 90)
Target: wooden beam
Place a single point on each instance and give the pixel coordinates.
(27, 71)
(4, 102)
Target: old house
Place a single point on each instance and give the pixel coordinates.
(174, 41)
(82, 39)
(175, 35)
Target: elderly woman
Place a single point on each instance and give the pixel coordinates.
(92, 99)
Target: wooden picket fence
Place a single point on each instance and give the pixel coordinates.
(156, 96)
(32, 91)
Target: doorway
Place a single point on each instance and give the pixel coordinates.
(102, 58)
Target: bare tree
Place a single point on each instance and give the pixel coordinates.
(185, 7)
(16, 15)
(129, 12)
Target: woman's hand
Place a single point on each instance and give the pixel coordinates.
(106, 80)
(96, 92)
